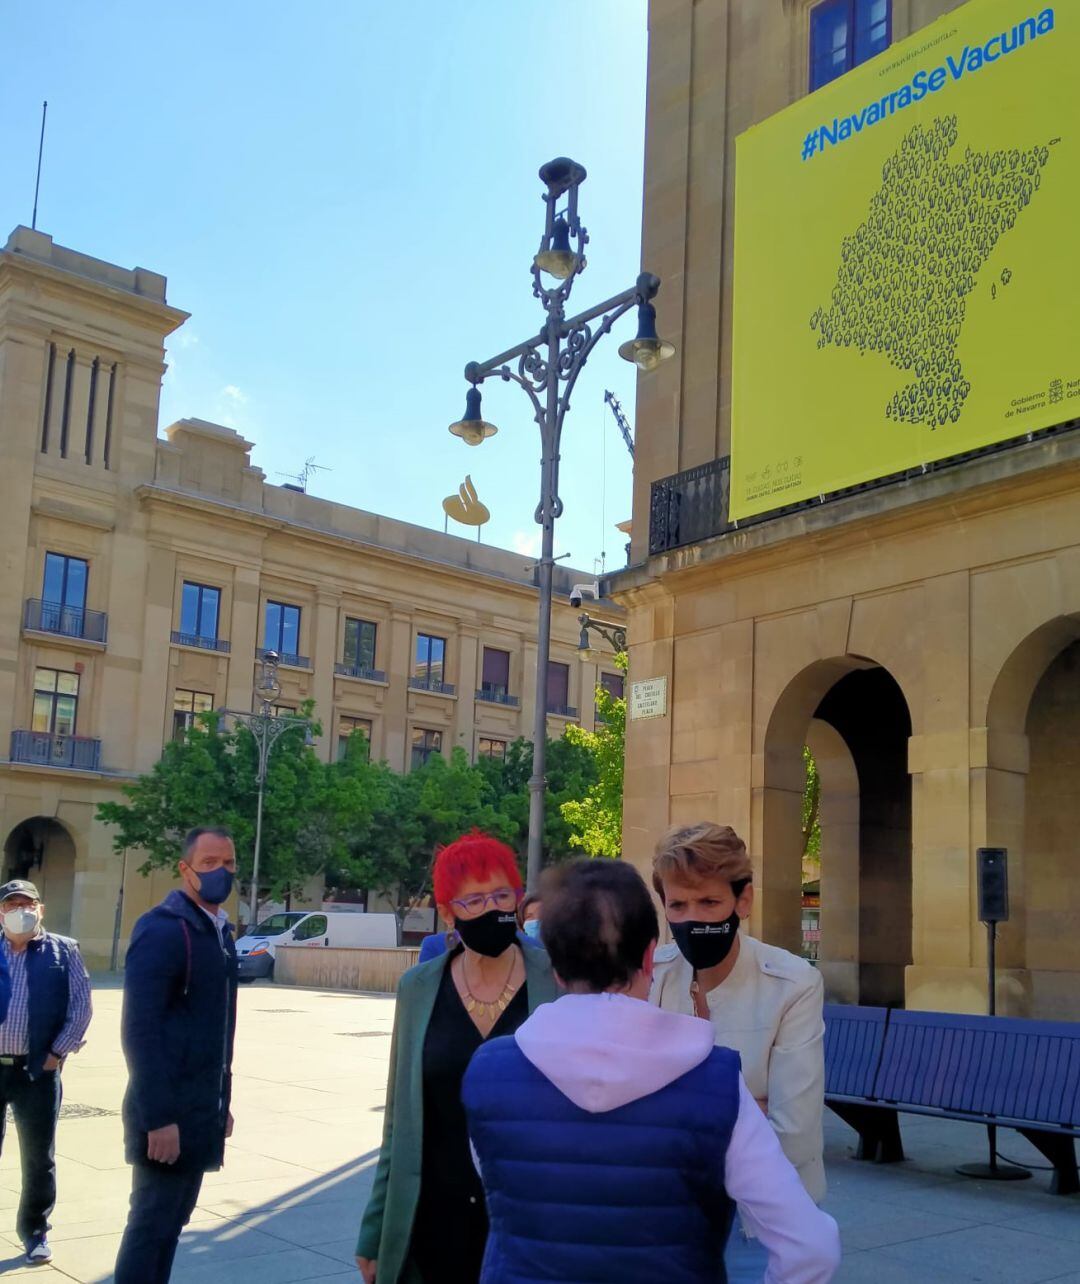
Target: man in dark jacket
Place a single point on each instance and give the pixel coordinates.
(614, 1139)
(45, 1022)
(177, 1029)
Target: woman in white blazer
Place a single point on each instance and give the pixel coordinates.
(762, 1001)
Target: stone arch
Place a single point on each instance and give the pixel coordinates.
(42, 850)
(1032, 792)
(845, 692)
(838, 957)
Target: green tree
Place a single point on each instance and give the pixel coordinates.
(415, 815)
(811, 817)
(595, 819)
(208, 778)
(571, 771)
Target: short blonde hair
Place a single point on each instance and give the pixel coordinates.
(693, 852)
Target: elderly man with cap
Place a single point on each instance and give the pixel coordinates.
(46, 1021)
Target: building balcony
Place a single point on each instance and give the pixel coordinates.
(44, 749)
(197, 640)
(435, 685)
(690, 506)
(359, 671)
(65, 621)
(562, 711)
(286, 659)
(496, 696)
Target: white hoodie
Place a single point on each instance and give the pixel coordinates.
(603, 1051)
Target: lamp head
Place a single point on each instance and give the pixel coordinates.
(646, 350)
(472, 427)
(558, 260)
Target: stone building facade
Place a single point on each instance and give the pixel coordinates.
(922, 637)
(140, 577)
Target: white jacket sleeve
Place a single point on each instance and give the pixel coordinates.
(803, 1243)
(797, 1076)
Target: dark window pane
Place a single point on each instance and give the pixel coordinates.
(496, 678)
(208, 613)
(189, 608)
(612, 684)
(272, 632)
(52, 589)
(558, 685)
(75, 588)
(360, 644)
(430, 654)
(290, 630)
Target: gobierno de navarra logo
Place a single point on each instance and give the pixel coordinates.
(973, 59)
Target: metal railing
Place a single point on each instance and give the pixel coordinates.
(496, 695)
(432, 684)
(285, 658)
(45, 749)
(359, 671)
(562, 710)
(689, 506)
(68, 621)
(196, 639)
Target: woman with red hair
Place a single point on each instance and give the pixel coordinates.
(426, 1221)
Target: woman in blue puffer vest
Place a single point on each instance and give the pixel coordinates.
(614, 1139)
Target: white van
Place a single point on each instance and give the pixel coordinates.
(255, 949)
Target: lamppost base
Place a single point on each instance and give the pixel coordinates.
(994, 1172)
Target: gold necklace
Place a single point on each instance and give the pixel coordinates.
(493, 1010)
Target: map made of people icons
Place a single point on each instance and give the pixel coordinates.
(906, 272)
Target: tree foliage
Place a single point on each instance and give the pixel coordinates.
(595, 818)
(811, 809)
(356, 823)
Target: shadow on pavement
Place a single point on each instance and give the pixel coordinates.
(306, 1232)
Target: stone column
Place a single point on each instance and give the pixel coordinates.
(324, 641)
(396, 742)
(467, 671)
(79, 407)
(244, 636)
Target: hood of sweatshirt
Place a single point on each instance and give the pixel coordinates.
(606, 1050)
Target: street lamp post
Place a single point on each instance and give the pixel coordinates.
(613, 634)
(546, 367)
(266, 728)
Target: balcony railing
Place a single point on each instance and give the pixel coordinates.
(359, 671)
(690, 506)
(562, 710)
(196, 639)
(432, 684)
(494, 695)
(68, 621)
(286, 658)
(44, 749)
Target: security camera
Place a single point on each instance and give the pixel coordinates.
(580, 591)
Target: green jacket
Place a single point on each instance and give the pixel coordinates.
(386, 1228)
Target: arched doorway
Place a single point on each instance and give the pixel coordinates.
(43, 851)
(1033, 810)
(855, 714)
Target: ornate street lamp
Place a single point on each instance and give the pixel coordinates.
(613, 634)
(266, 728)
(546, 367)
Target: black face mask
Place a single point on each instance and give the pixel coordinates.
(490, 934)
(705, 945)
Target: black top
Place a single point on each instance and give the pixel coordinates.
(451, 1224)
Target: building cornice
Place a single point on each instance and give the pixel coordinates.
(153, 494)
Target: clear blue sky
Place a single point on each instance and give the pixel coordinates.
(344, 196)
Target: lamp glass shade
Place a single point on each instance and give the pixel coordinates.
(472, 427)
(646, 350)
(558, 260)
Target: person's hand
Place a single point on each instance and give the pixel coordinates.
(230, 1123)
(51, 1063)
(163, 1144)
(367, 1269)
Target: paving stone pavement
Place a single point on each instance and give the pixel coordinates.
(308, 1105)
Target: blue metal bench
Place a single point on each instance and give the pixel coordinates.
(991, 1070)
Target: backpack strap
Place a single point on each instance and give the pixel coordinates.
(187, 948)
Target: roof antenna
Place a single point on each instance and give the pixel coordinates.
(300, 480)
(40, 153)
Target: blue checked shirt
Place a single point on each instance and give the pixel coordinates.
(15, 1031)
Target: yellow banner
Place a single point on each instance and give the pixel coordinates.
(907, 258)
